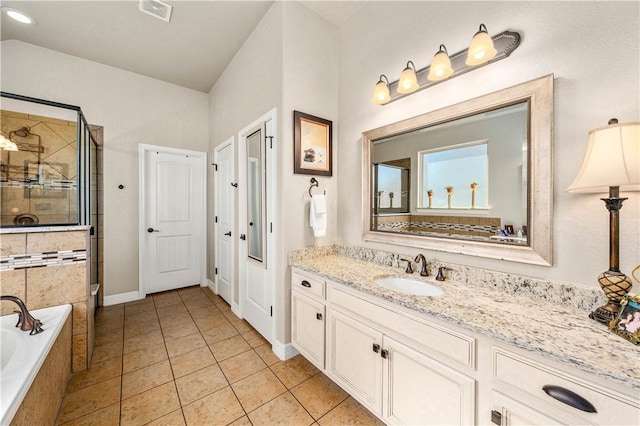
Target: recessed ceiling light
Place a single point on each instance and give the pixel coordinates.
(18, 15)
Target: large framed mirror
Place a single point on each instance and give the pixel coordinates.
(478, 177)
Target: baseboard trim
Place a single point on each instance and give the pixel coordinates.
(284, 351)
(211, 285)
(236, 310)
(116, 299)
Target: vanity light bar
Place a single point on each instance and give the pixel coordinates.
(505, 43)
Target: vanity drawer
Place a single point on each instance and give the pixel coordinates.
(531, 377)
(307, 284)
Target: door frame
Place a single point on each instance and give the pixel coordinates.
(234, 226)
(142, 150)
(271, 166)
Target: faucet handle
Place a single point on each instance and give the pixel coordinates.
(441, 270)
(409, 269)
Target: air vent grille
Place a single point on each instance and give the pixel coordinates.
(157, 9)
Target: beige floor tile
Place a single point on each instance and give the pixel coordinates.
(144, 357)
(133, 344)
(210, 321)
(254, 339)
(220, 332)
(191, 361)
(204, 311)
(349, 412)
(139, 308)
(166, 299)
(193, 295)
(229, 347)
(86, 400)
(146, 378)
(175, 418)
(144, 316)
(172, 333)
(201, 302)
(284, 410)
(99, 372)
(266, 353)
(145, 301)
(319, 395)
(185, 344)
(242, 421)
(241, 325)
(141, 328)
(219, 408)
(200, 383)
(105, 416)
(257, 389)
(241, 366)
(172, 310)
(109, 336)
(294, 371)
(115, 323)
(150, 405)
(109, 312)
(173, 320)
(105, 352)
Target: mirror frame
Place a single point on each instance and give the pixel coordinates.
(539, 93)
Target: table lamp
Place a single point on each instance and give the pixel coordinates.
(612, 163)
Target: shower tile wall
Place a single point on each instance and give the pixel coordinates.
(58, 158)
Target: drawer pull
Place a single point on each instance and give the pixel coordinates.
(384, 354)
(376, 347)
(318, 316)
(570, 398)
(306, 283)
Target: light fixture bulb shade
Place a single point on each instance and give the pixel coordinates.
(481, 49)
(612, 159)
(408, 80)
(440, 68)
(381, 93)
(7, 144)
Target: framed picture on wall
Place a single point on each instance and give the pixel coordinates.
(312, 137)
(627, 324)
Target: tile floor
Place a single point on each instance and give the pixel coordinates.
(183, 358)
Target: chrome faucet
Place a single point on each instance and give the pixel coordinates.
(424, 272)
(26, 321)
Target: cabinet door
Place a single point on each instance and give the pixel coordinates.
(354, 360)
(307, 328)
(420, 390)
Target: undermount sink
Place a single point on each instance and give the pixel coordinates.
(410, 286)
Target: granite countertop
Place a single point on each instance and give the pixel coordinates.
(556, 331)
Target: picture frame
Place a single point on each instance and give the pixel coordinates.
(509, 229)
(312, 149)
(627, 323)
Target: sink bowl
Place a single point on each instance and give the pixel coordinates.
(410, 286)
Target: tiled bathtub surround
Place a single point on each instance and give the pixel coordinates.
(546, 318)
(459, 225)
(49, 269)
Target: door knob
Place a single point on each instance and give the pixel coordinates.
(243, 237)
(250, 223)
(228, 234)
(150, 230)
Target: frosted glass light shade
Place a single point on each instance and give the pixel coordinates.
(612, 159)
(381, 92)
(481, 49)
(408, 80)
(440, 68)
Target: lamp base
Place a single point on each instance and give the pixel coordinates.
(615, 285)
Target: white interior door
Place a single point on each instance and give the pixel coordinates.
(172, 225)
(224, 212)
(256, 258)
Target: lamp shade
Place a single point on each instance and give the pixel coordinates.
(481, 49)
(381, 92)
(612, 159)
(440, 68)
(408, 80)
(7, 144)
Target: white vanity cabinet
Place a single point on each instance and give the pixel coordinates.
(308, 317)
(369, 355)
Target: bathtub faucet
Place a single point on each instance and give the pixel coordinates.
(26, 321)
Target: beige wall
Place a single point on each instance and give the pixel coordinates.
(596, 67)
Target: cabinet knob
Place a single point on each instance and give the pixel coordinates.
(306, 283)
(570, 398)
(318, 316)
(496, 417)
(384, 354)
(376, 347)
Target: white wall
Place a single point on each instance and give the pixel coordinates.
(133, 109)
(591, 48)
(290, 62)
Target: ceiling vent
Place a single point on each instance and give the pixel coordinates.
(156, 8)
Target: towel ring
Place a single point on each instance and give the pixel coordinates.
(314, 182)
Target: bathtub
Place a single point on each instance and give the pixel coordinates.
(22, 355)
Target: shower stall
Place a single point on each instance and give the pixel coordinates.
(50, 168)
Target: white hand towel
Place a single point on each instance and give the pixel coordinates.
(317, 220)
